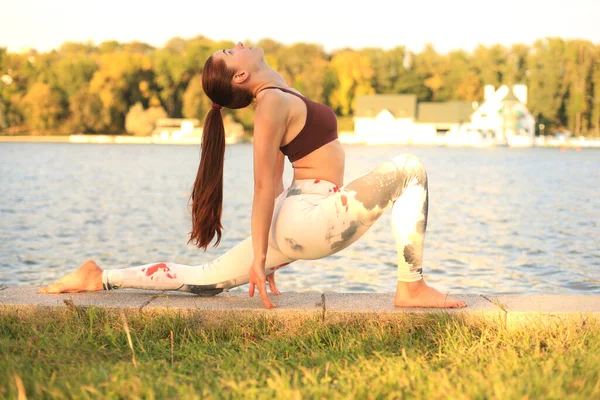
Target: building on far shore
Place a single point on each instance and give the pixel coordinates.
(167, 131)
(502, 119)
(177, 130)
(189, 130)
(435, 120)
(383, 118)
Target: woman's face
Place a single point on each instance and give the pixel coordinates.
(240, 58)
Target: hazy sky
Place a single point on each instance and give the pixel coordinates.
(447, 24)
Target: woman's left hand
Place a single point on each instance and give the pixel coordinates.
(258, 280)
(271, 280)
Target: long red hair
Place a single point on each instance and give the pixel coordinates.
(207, 195)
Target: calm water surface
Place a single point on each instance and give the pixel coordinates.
(501, 220)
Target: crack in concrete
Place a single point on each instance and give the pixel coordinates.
(495, 302)
(73, 307)
(150, 300)
(501, 306)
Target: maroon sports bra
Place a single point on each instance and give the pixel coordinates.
(320, 128)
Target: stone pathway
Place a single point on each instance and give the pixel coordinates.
(509, 310)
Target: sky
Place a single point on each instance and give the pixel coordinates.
(447, 24)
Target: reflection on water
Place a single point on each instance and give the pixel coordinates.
(501, 220)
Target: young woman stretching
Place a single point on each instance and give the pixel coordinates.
(315, 217)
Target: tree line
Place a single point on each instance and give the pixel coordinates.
(116, 87)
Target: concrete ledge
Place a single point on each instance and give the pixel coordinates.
(28, 297)
(547, 308)
(380, 306)
(292, 308)
(295, 308)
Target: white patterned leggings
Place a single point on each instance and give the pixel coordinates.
(312, 219)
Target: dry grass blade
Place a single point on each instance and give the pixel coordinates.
(126, 327)
(21, 395)
(172, 348)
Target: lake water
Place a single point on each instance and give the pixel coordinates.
(501, 220)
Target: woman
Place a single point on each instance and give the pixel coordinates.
(315, 217)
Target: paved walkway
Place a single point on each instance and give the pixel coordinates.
(296, 307)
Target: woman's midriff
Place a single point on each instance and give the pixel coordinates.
(326, 163)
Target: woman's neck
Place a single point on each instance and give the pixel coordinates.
(268, 78)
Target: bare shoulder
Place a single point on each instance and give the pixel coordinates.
(272, 103)
(271, 97)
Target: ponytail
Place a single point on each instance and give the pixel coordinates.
(207, 194)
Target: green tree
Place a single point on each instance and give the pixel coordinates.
(101, 84)
(490, 63)
(469, 88)
(462, 81)
(43, 108)
(595, 108)
(388, 68)
(137, 47)
(198, 50)
(354, 74)
(578, 71)
(515, 68)
(175, 45)
(5, 80)
(70, 48)
(71, 72)
(122, 80)
(432, 68)
(140, 121)
(426, 75)
(272, 49)
(303, 67)
(195, 103)
(2, 55)
(411, 82)
(109, 46)
(3, 117)
(548, 82)
(86, 113)
(18, 73)
(172, 77)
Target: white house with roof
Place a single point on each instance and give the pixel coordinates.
(502, 119)
(385, 118)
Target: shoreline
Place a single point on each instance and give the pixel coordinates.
(345, 137)
(107, 139)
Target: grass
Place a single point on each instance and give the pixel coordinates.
(87, 354)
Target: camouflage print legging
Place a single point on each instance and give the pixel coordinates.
(312, 219)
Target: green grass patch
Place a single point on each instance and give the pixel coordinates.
(86, 354)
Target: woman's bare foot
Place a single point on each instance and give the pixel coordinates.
(418, 294)
(88, 277)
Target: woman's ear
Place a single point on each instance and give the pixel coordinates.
(241, 77)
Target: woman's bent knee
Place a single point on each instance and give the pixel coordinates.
(410, 167)
(408, 161)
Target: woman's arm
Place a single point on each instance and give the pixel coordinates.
(278, 180)
(269, 127)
